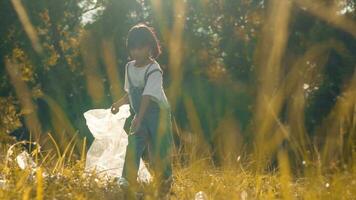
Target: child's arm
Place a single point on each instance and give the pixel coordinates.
(115, 106)
(123, 100)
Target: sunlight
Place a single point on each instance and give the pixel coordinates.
(178, 99)
(92, 8)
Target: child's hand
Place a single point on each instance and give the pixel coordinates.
(115, 107)
(135, 124)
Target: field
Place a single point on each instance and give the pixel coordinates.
(262, 94)
(64, 178)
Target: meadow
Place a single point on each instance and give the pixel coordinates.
(64, 177)
(263, 94)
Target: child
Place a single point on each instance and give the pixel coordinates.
(151, 126)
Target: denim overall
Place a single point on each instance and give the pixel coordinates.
(154, 133)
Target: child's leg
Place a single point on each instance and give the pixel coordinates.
(134, 150)
(164, 169)
(159, 160)
(160, 129)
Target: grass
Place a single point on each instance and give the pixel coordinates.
(238, 180)
(329, 173)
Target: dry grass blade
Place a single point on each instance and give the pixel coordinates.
(30, 30)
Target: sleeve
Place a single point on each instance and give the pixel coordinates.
(154, 85)
(126, 84)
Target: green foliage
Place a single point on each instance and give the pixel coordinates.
(9, 119)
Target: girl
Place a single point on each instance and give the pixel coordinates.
(151, 126)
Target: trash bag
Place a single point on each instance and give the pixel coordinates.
(106, 155)
(24, 160)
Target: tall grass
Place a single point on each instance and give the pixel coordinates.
(236, 181)
(303, 169)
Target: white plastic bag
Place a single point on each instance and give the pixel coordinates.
(107, 152)
(24, 160)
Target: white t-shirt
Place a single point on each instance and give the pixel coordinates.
(154, 85)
